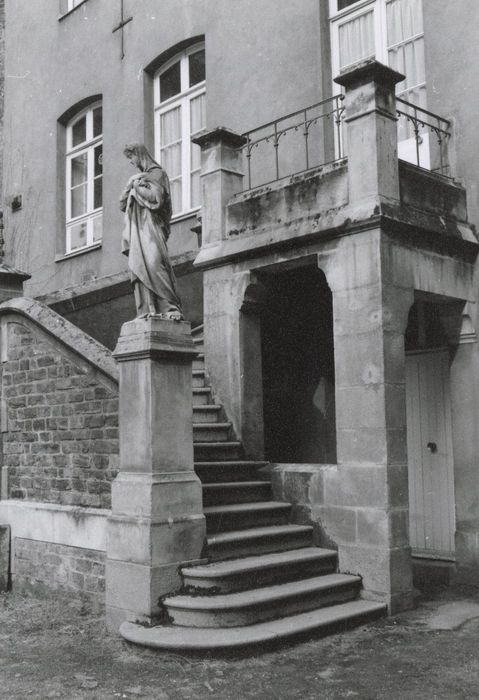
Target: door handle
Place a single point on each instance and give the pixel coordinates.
(432, 447)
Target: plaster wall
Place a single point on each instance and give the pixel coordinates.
(453, 84)
(255, 55)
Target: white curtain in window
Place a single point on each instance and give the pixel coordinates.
(356, 39)
(405, 47)
(170, 142)
(404, 20)
(198, 113)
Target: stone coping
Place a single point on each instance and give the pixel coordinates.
(65, 332)
(74, 526)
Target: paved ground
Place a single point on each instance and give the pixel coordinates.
(54, 650)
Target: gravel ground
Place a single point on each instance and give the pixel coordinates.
(53, 649)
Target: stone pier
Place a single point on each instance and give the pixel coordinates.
(157, 521)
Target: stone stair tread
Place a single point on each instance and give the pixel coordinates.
(259, 596)
(209, 445)
(255, 532)
(172, 637)
(247, 565)
(246, 507)
(212, 425)
(236, 462)
(221, 485)
(208, 407)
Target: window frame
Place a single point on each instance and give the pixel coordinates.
(382, 47)
(68, 6)
(183, 100)
(87, 146)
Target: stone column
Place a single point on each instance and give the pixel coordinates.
(157, 522)
(366, 497)
(371, 120)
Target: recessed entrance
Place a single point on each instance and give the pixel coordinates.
(429, 435)
(298, 368)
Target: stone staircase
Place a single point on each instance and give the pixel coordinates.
(264, 578)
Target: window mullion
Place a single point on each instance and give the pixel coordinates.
(184, 77)
(185, 153)
(380, 31)
(68, 174)
(90, 186)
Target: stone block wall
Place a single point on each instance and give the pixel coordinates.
(48, 565)
(60, 431)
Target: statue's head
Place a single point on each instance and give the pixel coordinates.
(139, 156)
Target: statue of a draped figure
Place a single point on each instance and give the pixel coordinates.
(146, 202)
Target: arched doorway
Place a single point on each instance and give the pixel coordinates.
(298, 367)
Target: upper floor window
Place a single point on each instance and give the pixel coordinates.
(390, 31)
(84, 179)
(179, 115)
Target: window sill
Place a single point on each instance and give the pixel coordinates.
(67, 14)
(75, 253)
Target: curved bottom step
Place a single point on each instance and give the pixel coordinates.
(326, 619)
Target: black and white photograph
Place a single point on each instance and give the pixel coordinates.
(239, 362)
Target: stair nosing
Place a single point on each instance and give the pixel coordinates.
(257, 532)
(246, 507)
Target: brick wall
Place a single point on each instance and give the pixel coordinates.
(59, 421)
(48, 565)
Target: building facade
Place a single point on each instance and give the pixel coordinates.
(322, 159)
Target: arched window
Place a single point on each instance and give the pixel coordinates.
(179, 115)
(84, 179)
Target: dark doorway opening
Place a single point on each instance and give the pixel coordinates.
(298, 368)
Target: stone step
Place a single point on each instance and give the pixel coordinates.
(258, 540)
(211, 432)
(221, 451)
(325, 620)
(206, 414)
(199, 378)
(199, 361)
(202, 396)
(223, 471)
(240, 516)
(261, 604)
(251, 572)
(236, 492)
(197, 331)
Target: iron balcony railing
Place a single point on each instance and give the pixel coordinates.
(419, 124)
(306, 137)
(315, 136)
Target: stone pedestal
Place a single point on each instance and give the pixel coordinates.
(221, 178)
(157, 522)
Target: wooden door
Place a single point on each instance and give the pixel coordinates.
(429, 441)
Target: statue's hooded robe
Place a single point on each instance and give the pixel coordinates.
(147, 207)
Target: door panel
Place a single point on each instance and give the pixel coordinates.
(429, 438)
